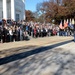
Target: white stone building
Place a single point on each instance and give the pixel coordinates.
(12, 9)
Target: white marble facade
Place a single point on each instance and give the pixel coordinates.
(12, 9)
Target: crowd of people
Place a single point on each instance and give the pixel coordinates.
(11, 31)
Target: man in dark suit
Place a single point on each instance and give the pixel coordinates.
(74, 32)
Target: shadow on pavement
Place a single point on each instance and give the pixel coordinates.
(22, 55)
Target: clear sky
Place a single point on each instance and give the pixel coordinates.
(31, 4)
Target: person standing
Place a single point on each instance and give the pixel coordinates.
(74, 32)
(21, 34)
(11, 34)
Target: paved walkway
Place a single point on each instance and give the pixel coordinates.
(53, 57)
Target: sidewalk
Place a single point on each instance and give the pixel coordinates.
(56, 56)
(35, 42)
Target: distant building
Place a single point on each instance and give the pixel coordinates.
(12, 9)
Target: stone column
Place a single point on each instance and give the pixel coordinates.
(13, 10)
(4, 9)
(24, 10)
(23, 0)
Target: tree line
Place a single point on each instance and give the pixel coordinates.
(53, 11)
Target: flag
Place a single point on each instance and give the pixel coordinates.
(72, 21)
(70, 24)
(67, 21)
(0, 22)
(60, 26)
(65, 24)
